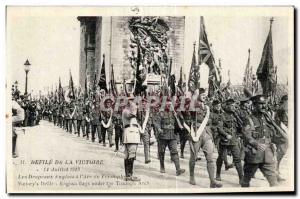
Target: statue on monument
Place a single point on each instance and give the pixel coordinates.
(149, 35)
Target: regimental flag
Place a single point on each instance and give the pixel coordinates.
(102, 80)
(113, 82)
(247, 81)
(180, 81)
(171, 84)
(71, 93)
(86, 95)
(56, 95)
(265, 71)
(61, 96)
(206, 56)
(194, 77)
(138, 88)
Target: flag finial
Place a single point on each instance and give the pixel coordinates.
(194, 44)
(271, 21)
(249, 51)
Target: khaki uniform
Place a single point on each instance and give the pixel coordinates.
(258, 130)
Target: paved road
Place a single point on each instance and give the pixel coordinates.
(104, 170)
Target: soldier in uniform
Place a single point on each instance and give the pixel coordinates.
(106, 122)
(260, 135)
(281, 118)
(96, 122)
(198, 120)
(215, 118)
(80, 112)
(67, 114)
(228, 131)
(167, 137)
(243, 113)
(143, 116)
(132, 131)
(54, 113)
(87, 118)
(118, 128)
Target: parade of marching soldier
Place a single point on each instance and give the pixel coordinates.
(183, 103)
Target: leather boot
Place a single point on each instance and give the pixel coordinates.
(239, 169)
(175, 159)
(126, 165)
(162, 163)
(132, 178)
(219, 167)
(192, 174)
(211, 172)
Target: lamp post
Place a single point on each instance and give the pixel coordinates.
(27, 69)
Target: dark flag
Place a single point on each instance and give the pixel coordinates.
(86, 95)
(113, 82)
(71, 93)
(248, 74)
(61, 96)
(180, 81)
(102, 80)
(194, 77)
(265, 71)
(171, 84)
(138, 75)
(206, 56)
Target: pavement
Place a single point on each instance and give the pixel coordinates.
(52, 160)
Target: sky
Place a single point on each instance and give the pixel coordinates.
(51, 44)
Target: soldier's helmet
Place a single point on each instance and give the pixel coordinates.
(258, 99)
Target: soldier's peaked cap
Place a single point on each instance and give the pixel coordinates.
(229, 101)
(258, 99)
(215, 102)
(244, 99)
(284, 98)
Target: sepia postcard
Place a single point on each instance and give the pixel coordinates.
(147, 99)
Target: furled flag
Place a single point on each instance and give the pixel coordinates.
(61, 96)
(113, 82)
(180, 81)
(247, 81)
(86, 95)
(139, 75)
(206, 56)
(194, 77)
(265, 71)
(71, 93)
(102, 80)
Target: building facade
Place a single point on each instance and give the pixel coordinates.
(112, 37)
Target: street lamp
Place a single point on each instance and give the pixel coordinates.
(27, 69)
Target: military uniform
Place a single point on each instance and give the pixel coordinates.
(87, 119)
(54, 113)
(281, 118)
(228, 126)
(117, 120)
(105, 116)
(80, 119)
(194, 119)
(259, 136)
(141, 115)
(131, 138)
(167, 137)
(96, 123)
(67, 114)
